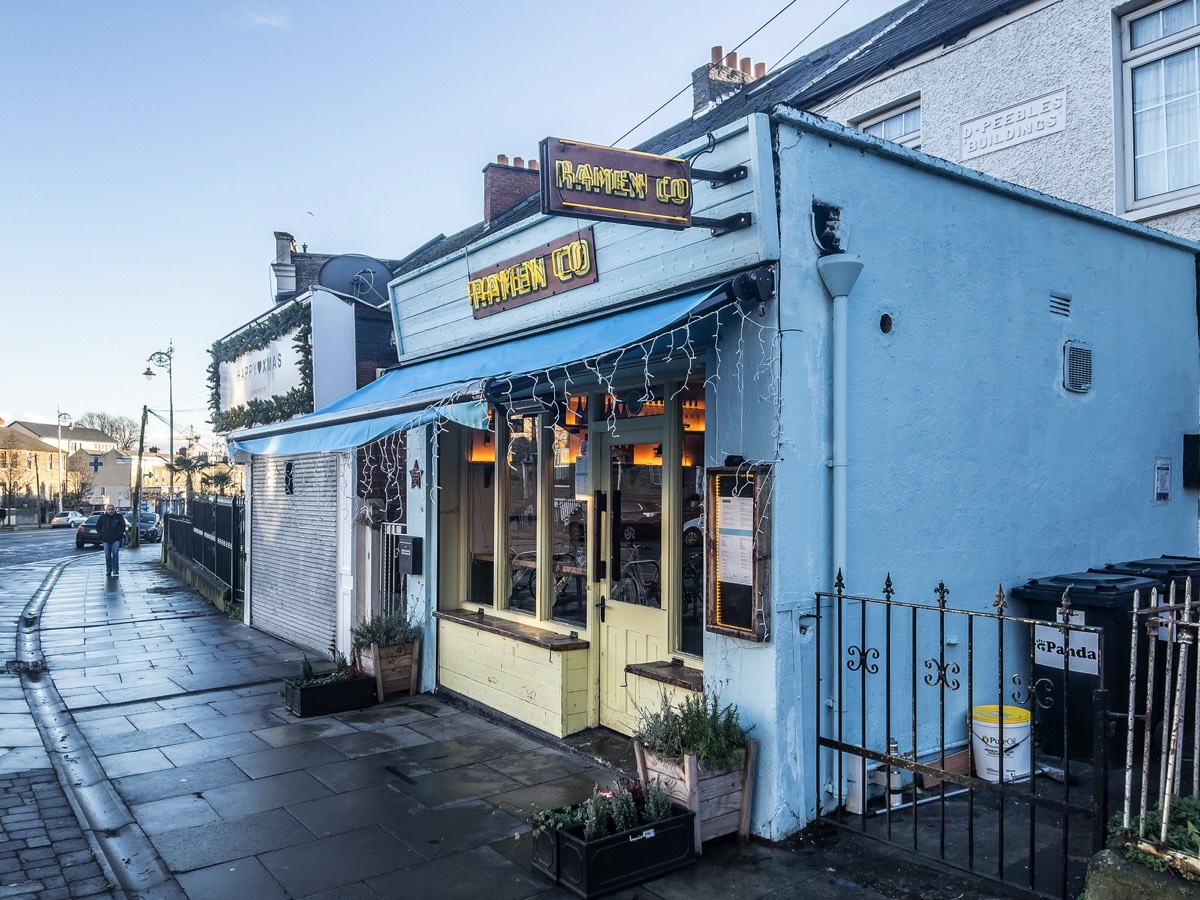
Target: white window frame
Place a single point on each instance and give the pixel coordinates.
(1130, 59)
(912, 139)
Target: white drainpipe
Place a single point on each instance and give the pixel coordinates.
(839, 273)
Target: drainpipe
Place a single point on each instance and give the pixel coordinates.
(838, 273)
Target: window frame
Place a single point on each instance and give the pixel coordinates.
(1131, 59)
(912, 139)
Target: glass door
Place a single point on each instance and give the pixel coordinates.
(631, 622)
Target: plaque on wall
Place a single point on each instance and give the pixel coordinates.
(739, 541)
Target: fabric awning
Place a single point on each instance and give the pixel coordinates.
(452, 387)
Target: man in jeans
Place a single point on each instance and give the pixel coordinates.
(112, 532)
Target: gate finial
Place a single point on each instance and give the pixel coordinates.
(839, 584)
(1000, 604)
(888, 590)
(941, 590)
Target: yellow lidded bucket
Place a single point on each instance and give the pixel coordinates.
(986, 739)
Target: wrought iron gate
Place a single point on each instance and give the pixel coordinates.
(908, 752)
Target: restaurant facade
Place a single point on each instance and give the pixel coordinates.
(646, 426)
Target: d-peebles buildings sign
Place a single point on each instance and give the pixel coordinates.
(592, 182)
(561, 265)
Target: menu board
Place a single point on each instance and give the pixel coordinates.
(738, 527)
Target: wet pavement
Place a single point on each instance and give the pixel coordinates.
(175, 771)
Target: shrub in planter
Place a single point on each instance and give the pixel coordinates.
(704, 758)
(392, 644)
(616, 838)
(312, 694)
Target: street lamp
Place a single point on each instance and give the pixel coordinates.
(163, 359)
(62, 417)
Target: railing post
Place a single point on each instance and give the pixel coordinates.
(1100, 767)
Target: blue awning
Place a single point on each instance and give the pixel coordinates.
(451, 387)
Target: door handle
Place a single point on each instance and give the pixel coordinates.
(601, 606)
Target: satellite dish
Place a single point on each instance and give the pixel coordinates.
(362, 277)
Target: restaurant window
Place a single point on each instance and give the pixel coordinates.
(480, 503)
(521, 479)
(692, 492)
(1160, 55)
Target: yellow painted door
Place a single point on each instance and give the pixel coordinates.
(631, 621)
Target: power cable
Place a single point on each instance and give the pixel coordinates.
(743, 42)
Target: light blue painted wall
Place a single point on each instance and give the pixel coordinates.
(968, 460)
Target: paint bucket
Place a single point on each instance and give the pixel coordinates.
(985, 742)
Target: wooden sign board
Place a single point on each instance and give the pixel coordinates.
(738, 522)
(588, 181)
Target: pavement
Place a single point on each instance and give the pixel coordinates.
(145, 752)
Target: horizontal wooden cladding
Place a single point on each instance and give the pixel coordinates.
(545, 688)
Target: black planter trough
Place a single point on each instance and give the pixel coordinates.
(593, 868)
(324, 699)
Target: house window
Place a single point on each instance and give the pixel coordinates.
(898, 124)
(1161, 76)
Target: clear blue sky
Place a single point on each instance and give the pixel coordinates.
(150, 149)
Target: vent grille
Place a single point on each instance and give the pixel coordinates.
(1077, 367)
(1060, 306)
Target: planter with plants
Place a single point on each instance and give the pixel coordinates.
(392, 646)
(616, 838)
(319, 694)
(704, 758)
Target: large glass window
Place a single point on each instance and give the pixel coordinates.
(568, 526)
(1162, 82)
(480, 506)
(692, 490)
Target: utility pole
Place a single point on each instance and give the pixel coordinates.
(135, 539)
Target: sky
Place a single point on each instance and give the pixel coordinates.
(149, 150)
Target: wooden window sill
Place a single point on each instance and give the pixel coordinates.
(517, 631)
(668, 672)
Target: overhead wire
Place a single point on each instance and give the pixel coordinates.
(741, 44)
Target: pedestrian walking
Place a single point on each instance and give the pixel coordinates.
(112, 532)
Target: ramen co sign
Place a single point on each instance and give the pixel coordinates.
(587, 181)
(270, 371)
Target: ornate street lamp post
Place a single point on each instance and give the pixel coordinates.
(164, 359)
(62, 417)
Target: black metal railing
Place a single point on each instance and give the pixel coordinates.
(975, 738)
(212, 536)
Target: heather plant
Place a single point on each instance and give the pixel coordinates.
(700, 725)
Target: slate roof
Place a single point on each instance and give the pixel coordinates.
(69, 432)
(11, 439)
(882, 44)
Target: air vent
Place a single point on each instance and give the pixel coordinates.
(1077, 367)
(1060, 306)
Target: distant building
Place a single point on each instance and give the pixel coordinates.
(28, 470)
(73, 437)
(111, 477)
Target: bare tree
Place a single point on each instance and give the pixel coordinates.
(14, 470)
(121, 429)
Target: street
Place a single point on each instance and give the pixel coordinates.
(44, 544)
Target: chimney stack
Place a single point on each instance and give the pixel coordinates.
(283, 267)
(714, 82)
(505, 186)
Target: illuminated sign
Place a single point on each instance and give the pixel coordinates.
(561, 265)
(587, 181)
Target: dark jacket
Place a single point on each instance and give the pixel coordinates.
(112, 527)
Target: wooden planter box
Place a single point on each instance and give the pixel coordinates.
(395, 668)
(592, 868)
(324, 699)
(721, 801)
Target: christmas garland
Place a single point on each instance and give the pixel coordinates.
(255, 337)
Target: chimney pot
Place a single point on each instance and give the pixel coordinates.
(760, 70)
(519, 162)
(747, 65)
(718, 54)
(731, 60)
(533, 164)
(502, 158)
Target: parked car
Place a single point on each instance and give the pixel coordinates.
(150, 528)
(693, 532)
(88, 533)
(69, 519)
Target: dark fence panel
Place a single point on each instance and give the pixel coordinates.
(212, 536)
